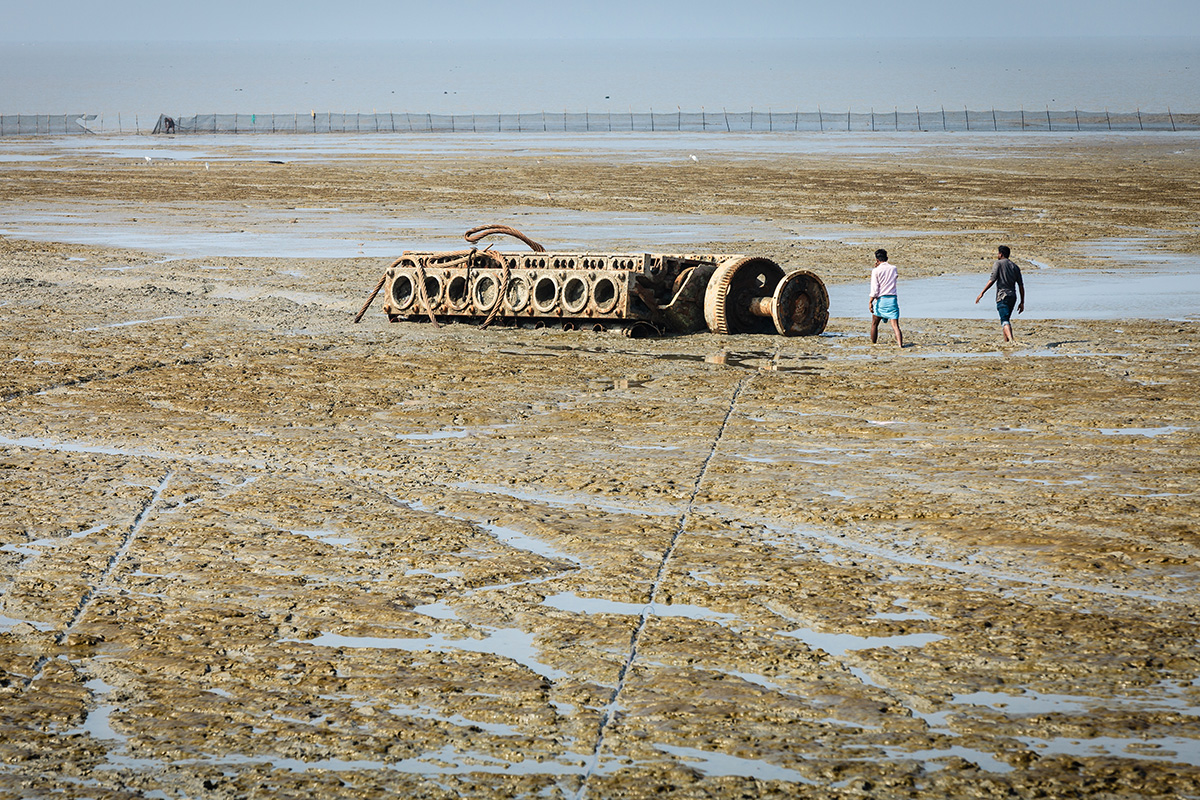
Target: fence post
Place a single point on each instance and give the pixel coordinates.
(1139, 113)
(1049, 125)
(1077, 120)
(995, 127)
(1108, 119)
(872, 119)
(652, 119)
(967, 117)
(726, 113)
(1022, 119)
(820, 119)
(943, 118)
(1172, 118)
(847, 119)
(918, 118)
(896, 111)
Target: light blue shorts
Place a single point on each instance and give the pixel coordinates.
(887, 307)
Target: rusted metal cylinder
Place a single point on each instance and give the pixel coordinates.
(761, 306)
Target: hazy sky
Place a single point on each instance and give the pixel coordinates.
(512, 23)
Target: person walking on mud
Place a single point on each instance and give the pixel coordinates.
(1007, 277)
(883, 303)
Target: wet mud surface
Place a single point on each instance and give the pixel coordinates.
(249, 549)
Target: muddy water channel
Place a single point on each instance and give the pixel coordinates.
(249, 549)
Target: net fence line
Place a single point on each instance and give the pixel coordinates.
(939, 119)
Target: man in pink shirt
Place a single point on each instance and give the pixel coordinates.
(883, 303)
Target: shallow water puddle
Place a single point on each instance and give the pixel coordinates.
(1166, 430)
(425, 437)
(1165, 697)
(206, 229)
(569, 601)
(34, 548)
(928, 758)
(838, 644)
(720, 765)
(458, 720)
(1168, 289)
(1174, 749)
(96, 723)
(8, 623)
(1034, 703)
(509, 536)
(511, 643)
(438, 610)
(573, 500)
(326, 537)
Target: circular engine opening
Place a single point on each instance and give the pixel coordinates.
(433, 291)
(485, 293)
(574, 294)
(458, 293)
(516, 294)
(605, 294)
(545, 294)
(404, 291)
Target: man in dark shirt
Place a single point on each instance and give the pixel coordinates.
(1007, 277)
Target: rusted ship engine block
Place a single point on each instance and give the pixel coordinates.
(643, 294)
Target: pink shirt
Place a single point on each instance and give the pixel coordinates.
(883, 280)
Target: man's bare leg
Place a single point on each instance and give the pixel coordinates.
(896, 332)
(875, 328)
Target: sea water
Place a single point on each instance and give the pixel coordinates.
(182, 79)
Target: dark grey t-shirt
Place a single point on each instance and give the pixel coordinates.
(1007, 275)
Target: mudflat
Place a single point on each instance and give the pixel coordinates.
(251, 549)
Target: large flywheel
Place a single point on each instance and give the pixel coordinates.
(753, 295)
(732, 290)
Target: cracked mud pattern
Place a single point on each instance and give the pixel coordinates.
(248, 549)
